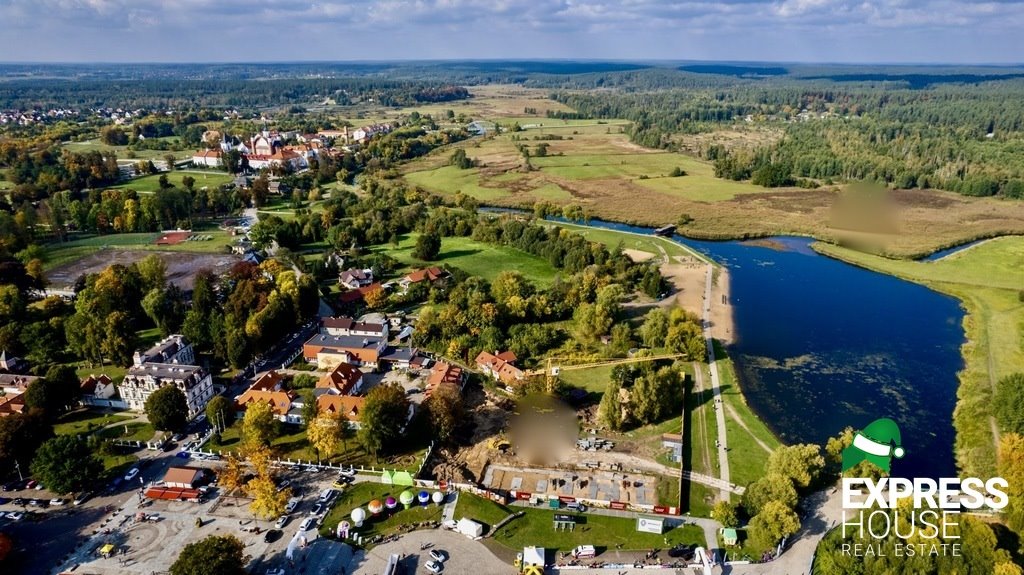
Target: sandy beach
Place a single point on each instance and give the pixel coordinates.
(687, 276)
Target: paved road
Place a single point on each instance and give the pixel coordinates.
(716, 390)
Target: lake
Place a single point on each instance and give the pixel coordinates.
(821, 345)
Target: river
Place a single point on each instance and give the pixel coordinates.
(821, 345)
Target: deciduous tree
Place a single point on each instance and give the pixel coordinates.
(259, 425)
(267, 501)
(774, 522)
(383, 418)
(445, 409)
(65, 464)
(215, 555)
(802, 463)
(167, 408)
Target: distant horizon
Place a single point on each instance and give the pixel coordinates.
(912, 32)
(654, 62)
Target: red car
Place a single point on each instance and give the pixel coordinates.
(31, 484)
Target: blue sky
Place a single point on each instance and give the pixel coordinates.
(755, 30)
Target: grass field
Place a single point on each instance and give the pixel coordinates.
(601, 531)
(122, 151)
(988, 279)
(85, 420)
(593, 164)
(58, 254)
(484, 511)
(746, 456)
(611, 238)
(151, 183)
(360, 494)
(134, 431)
(476, 258)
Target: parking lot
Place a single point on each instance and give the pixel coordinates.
(464, 556)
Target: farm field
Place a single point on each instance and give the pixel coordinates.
(595, 166)
(475, 258)
(987, 279)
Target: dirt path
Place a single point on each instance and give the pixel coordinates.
(736, 417)
(698, 376)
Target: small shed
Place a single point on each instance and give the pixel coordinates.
(730, 537)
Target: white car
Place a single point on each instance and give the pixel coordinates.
(434, 567)
(292, 504)
(276, 571)
(282, 521)
(437, 556)
(132, 474)
(307, 524)
(57, 501)
(15, 515)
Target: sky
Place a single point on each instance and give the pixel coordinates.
(860, 31)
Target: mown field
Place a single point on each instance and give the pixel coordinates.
(59, 254)
(988, 280)
(475, 258)
(122, 152)
(151, 183)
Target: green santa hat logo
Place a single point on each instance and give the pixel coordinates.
(878, 443)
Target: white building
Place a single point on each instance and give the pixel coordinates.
(143, 380)
(172, 349)
(207, 158)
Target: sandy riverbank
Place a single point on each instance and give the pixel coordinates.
(687, 276)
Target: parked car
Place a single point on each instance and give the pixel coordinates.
(15, 485)
(39, 487)
(292, 504)
(317, 509)
(177, 437)
(18, 501)
(574, 506)
(38, 502)
(438, 555)
(326, 495)
(31, 484)
(82, 497)
(272, 535)
(282, 521)
(57, 501)
(15, 515)
(434, 567)
(311, 469)
(279, 571)
(284, 485)
(132, 474)
(307, 524)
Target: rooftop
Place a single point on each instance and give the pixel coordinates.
(174, 371)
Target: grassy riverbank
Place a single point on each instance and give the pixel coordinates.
(988, 280)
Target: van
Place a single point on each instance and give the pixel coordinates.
(584, 552)
(326, 495)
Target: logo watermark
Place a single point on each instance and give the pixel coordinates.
(921, 514)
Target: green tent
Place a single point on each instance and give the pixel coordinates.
(402, 478)
(387, 478)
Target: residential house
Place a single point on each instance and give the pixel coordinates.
(97, 390)
(11, 403)
(356, 295)
(444, 373)
(15, 383)
(286, 405)
(330, 350)
(172, 349)
(350, 407)
(143, 380)
(345, 379)
(207, 158)
(354, 278)
(12, 364)
(399, 357)
(269, 381)
(360, 135)
(432, 275)
(349, 326)
(500, 366)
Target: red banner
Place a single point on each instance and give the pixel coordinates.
(617, 505)
(523, 495)
(566, 499)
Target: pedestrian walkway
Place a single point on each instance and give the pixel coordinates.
(716, 390)
(448, 513)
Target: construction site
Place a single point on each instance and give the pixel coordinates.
(538, 446)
